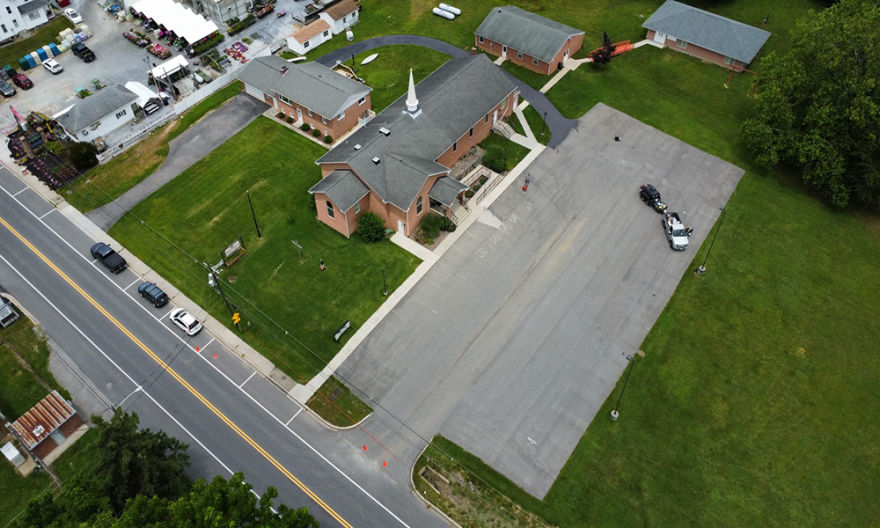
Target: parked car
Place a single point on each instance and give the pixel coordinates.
(109, 258)
(676, 232)
(153, 293)
(185, 321)
(8, 313)
(21, 80)
(651, 196)
(6, 89)
(73, 15)
(52, 66)
(82, 51)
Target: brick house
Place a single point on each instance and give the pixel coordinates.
(46, 425)
(529, 40)
(309, 92)
(397, 165)
(705, 35)
(341, 16)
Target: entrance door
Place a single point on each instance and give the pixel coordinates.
(299, 114)
(504, 51)
(401, 227)
(495, 117)
(565, 57)
(659, 37)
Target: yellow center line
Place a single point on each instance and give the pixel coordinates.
(232, 425)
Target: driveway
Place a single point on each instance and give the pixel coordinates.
(184, 150)
(514, 339)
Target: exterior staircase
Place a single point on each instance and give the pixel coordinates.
(503, 129)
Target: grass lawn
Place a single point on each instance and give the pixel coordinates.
(42, 36)
(106, 182)
(79, 458)
(515, 124)
(290, 309)
(21, 387)
(533, 79)
(515, 151)
(16, 491)
(536, 123)
(335, 403)
(388, 74)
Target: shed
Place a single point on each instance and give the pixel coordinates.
(46, 425)
(12, 454)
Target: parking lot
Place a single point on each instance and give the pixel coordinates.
(514, 339)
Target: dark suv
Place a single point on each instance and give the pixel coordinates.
(153, 293)
(109, 258)
(82, 51)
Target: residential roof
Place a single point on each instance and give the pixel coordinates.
(33, 5)
(452, 99)
(344, 8)
(306, 33)
(43, 419)
(343, 188)
(521, 30)
(94, 107)
(708, 30)
(445, 190)
(310, 84)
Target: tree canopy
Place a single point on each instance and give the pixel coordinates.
(819, 104)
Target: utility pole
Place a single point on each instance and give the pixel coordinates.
(614, 413)
(214, 281)
(254, 215)
(702, 269)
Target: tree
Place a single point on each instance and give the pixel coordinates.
(603, 55)
(371, 228)
(819, 104)
(82, 155)
(135, 462)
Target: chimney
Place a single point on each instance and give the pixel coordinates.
(412, 102)
(283, 70)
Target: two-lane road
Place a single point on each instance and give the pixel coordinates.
(192, 387)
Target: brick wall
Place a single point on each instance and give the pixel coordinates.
(698, 52)
(334, 127)
(481, 129)
(573, 45)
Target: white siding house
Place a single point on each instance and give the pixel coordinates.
(99, 114)
(309, 37)
(341, 16)
(19, 15)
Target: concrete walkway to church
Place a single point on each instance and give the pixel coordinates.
(559, 126)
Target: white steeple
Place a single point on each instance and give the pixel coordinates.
(412, 102)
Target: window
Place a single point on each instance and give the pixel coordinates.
(15, 22)
(342, 115)
(324, 120)
(518, 54)
(681, 44)
(486, 118)
(471, 132)
(357, 208)
(327, 33)
(120, 114)
(504, 103)
(419, 206)
(9, 10)
(535, 62)
(4, 27)
(306, 44)
(362, 100)
(343, 20)
(310, 113)
(729, 60)
(455, 146)
(285, 99)
(329, 209)
(481, 40)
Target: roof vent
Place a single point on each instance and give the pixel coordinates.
(283, 70)
(38, 430)
(376, 160)
(357, 146)
(385, 131)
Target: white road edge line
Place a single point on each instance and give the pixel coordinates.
(47, 213)
(206, 344)
(292, 417)
(19, 192)
(260, 405)
(110, 360)
(248, 378)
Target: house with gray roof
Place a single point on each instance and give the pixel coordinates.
(21, 15)
(705, 35)
(99, 114)
(532, 41)
(397, 165)
(309, 92)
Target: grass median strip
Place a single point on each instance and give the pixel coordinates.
(335, 403)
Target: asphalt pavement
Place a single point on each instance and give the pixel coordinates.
(191, 387)
(514, 339)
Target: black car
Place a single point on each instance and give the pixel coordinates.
(153, 293)
(651, 196)
(82, 51)
(6, 89)
(109, 258)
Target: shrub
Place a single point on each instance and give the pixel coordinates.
(469, 193)
(328, 139)
(82, 155)
(289, 119)
(431, 225)
(494, 158)
(316, 133)
(305, 127)
(371, 228)
(447, 225)
(280, 115)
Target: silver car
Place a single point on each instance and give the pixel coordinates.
(185, 321)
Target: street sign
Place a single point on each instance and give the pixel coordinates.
(236, 318)
(345, 326)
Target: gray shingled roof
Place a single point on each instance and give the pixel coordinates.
(445, 189)
(708, 30)
(310, 84)
(452, 99)
(527, 32)
(343, 188)
(33, 5)
(95, 107)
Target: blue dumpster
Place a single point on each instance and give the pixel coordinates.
(23, 64)
(31, 59)
(54, 49)
(41, 53)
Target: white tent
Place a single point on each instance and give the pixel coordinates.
(175, 17)
(169, 67)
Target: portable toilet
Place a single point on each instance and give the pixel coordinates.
(9, 70)
(33, 59)
(48, 51)
(23, 64)
(41, 53)
(54, 49)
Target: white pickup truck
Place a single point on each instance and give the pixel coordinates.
(676, 232)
